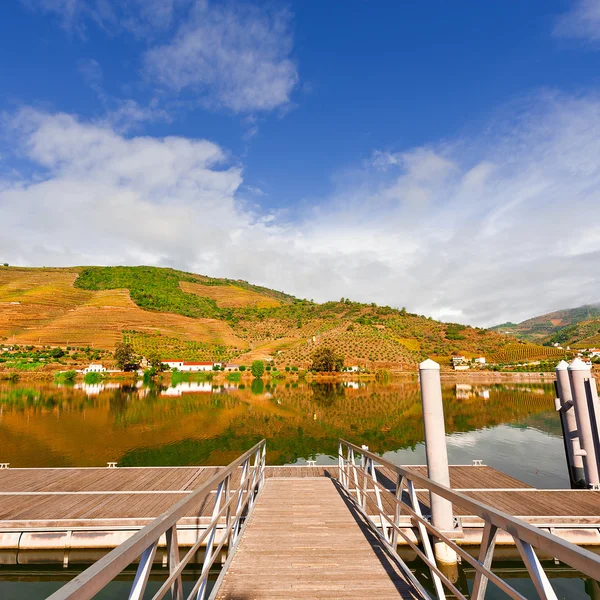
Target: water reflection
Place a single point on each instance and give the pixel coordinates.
(200, 422)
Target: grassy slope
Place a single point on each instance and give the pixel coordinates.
(182, 314)
(573, 326)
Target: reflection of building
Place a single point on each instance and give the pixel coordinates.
(188, 387)
(93, 389)
(463, 391)
(353, 385)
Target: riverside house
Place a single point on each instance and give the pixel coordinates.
(186, 365)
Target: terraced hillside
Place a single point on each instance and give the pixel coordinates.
(197, 317)
(573, 326)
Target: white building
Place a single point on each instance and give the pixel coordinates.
(95, 368)
(196, 366)
(187, 365)
(172, 363)
(352, 369)
(480, 360)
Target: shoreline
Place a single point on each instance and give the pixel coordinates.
(47, 376)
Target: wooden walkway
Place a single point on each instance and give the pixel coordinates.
(135, 495)
(81, 509)
(304, 541)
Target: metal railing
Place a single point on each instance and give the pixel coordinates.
(231, 509)
(360, 483)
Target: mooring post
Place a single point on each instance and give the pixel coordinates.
(437, 455)
(569, 426)
(591, 391)
(579, 372)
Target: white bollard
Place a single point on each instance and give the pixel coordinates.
(579, 372)
(437, 454)
(569, 425)
(591, 391)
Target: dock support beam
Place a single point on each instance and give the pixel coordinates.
(437, 454)
(564, 406)
(579, 374)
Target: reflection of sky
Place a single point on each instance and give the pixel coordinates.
(527, 454)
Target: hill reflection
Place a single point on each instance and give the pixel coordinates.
(198, 423)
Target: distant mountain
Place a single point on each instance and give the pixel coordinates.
(572, 326)
(194, 317)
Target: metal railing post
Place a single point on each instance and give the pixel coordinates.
(341, 464)
(538, 575)
(143, 572)
(486, 554)
(398, 511)
(437, 582)
(364, 462)
(173, 558)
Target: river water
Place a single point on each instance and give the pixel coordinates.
(512, 427)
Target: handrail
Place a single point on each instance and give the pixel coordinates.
(526, 536)
(144, 543)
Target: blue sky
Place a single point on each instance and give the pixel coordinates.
(435, 155)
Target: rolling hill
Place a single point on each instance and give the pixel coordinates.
(578, 327)
(204, 318)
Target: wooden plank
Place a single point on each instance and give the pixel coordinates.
(302, 541)
(22, 499)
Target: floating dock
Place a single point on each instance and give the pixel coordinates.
(324, 555)
(74, 515)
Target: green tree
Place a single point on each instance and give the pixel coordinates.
(57, 353)
(154, 360)
(257, 387)
(124, 355)
(325, 359)
(382, 376)
(258, 368)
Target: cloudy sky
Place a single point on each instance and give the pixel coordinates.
(435, 155)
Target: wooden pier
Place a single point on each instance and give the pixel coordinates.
(303, 539)
(82, 512)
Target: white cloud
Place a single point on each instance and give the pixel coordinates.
(582, 21)
(232, 56)
(69, 12)
(140, 17)
(484, 230)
